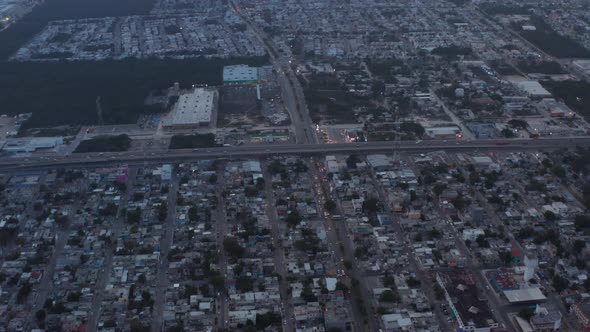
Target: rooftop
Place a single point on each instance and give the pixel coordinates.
(240, 74)
(193, 108)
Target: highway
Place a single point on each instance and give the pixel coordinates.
(292, 93)
(47, 161)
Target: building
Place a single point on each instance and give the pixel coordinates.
(166, 172)
(396, 321)
(530, 264)
(443, 132)
(31, 144)
(545, 320)
(240, 74)
(192, 110)
(524, 296)
(582, 312)
(472, 234)
(336, 316)
(533, 89)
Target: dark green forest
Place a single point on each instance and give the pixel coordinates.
(66, 92)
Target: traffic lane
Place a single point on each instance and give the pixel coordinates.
(214, 153)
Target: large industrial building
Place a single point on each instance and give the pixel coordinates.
(240, 74)
(30, 144)
(192, 110)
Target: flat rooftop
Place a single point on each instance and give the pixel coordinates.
(240, 74)
(193, 108)
(524, 295)
(533, 88)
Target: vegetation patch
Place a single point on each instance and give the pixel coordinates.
(193, 141)
(59, 93)
(117, 143)
(551, 42)
(573, 93)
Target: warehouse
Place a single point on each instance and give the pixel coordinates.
(443, 132)
(533, 89)
(192, 110)
(31, 144)
(240, 74)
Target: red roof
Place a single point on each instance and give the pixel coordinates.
(516, 252)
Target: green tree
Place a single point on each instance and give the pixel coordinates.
(388, 296)
(330, 205)
(372, 205)
(134, 216)
(244, 284)
(232, 247)
(293, 218)
(526, 314)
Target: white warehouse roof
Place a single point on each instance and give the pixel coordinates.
(240, 74)
(193, 109)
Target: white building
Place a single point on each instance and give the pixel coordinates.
(31, 144)
(240, 74)
(472, 234)
(192, 110)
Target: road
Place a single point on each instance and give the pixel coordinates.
(256, 151)
(287, 311)
(292, 92)
(221, 225)
(165, 244)
(105, 274)
(342, 250)
(464, 130)
(413, 265)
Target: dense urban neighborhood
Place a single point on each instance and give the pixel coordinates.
(295, 165)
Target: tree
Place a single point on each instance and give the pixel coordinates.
(578, 246)
(388, 296)
(213, 179)
(505, 256)
(550, 216)
(137, 326)
(330, 206)
(268, 319)
(193, 213)
(508, 133)
(352, 160)
(372, 205)
(559, 283)
(439, 293)
(413, 282)
(307, 294)
(293, 218)
(217, 281)
(482, 242)
(341, 286)
(439, 188)
(244, 284)
(40, 317)
(413, 128)
(521, 124)
(134, 216)
(260, 183)
(526, 314)
(23, 292)
(582, 222)
(162, 211)
(276, 167)
(232, 247)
